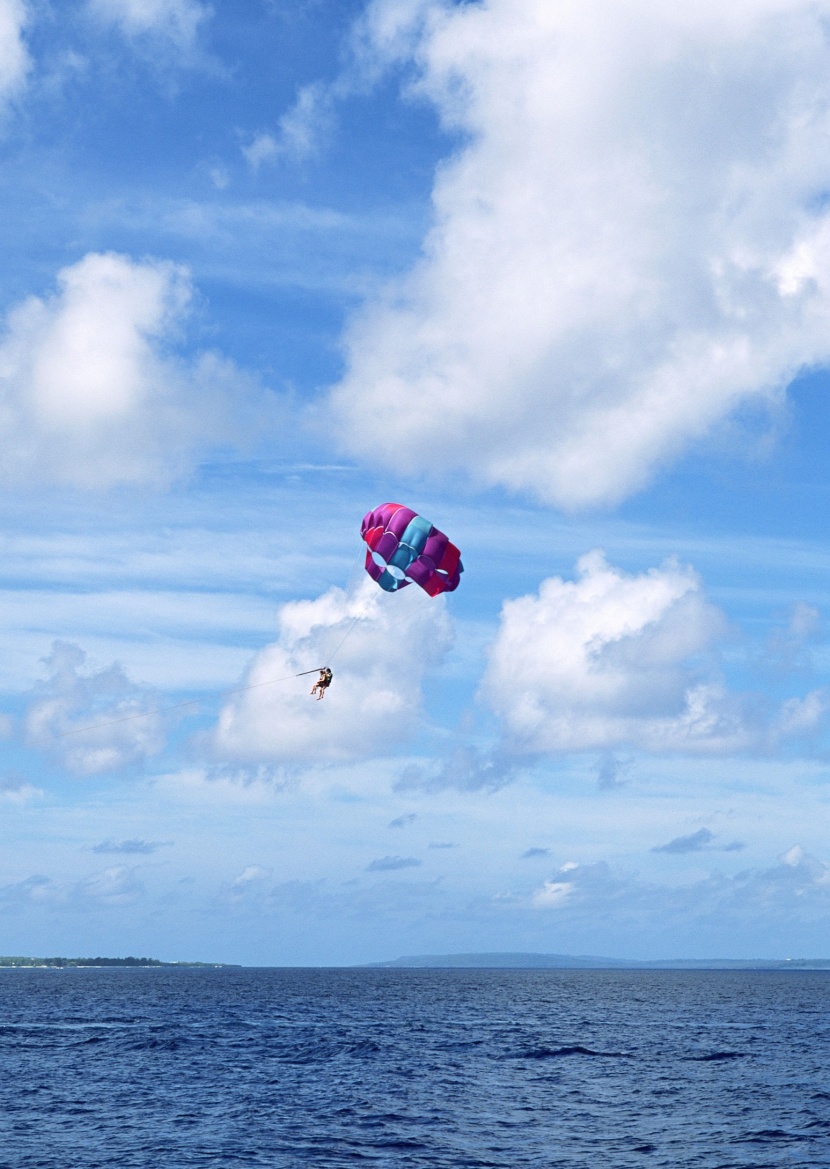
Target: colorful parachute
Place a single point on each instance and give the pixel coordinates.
(405, 547)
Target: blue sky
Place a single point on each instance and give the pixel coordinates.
(558, 277)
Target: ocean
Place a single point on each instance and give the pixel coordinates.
(413, 1069)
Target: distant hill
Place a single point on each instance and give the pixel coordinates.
(590, 962)
(59, 963)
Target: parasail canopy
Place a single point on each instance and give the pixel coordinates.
(404, 547)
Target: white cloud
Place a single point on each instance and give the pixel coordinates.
(803, 715)
(89, 720)
(787, 649)
(89, 394)
(15, 790)
(251, 877)
(176, 20)
(300, 130)
(552, 894)
(112, 887)
(463, 766)
(263, 148)
(14, 57)
(611, 659)
(388, 643)
(117, 885)
(632, 239)
(795, 890)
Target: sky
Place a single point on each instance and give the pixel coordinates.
(554, 275)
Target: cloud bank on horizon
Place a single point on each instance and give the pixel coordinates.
(796, 887)
(630, 242)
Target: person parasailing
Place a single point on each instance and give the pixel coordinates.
(323, 682)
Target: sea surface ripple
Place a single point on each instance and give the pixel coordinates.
(414, 1069)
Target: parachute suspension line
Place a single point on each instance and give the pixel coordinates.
(333, 655)
(354, 579)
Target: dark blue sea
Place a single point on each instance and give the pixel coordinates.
(428, 1069)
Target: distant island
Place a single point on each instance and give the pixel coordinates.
(588, 962)
(59, 963)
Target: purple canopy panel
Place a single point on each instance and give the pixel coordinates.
(435, 546)
(420, 570)
(386, 545)
(399, 522)
(375, 571)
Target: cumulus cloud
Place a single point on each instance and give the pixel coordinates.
(787, 648)
(14, 789)
(463, 767)
(795, 890)
(90, 395)
(88, 719)
(112, 887)
(117, 885)
(386, 643)
(14, 57)
(610, 659)
(250, 880)
(553, 894)
(803, 717)
(631, 240)
(174, 20)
